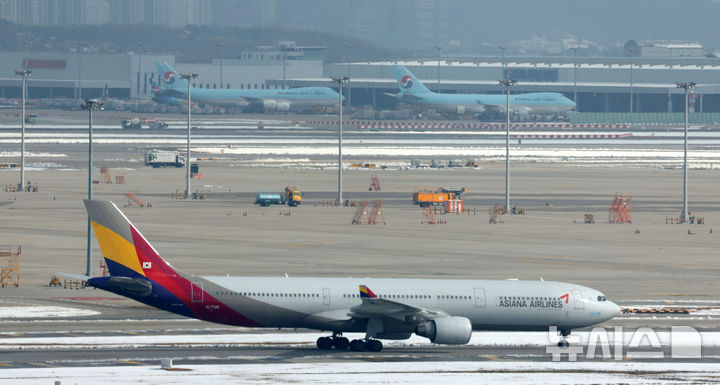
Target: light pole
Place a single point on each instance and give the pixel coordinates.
(631, 79)
(502, 63)
(575, 49)
(90, 105)
(139, 79)
(686, 86)
(188, 77)
(507, 83)
(24, 73)
(220, 44)
(438, 48)
(340, 80)
(349, 47)
(284, 51)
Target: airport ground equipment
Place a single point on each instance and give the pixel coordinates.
(157, 159)
(428, 197)
(496, 214)
(131, 123)
(132, 199)
(156, 124)
(360, 212)
(589, 218)
(105, 176)
(374, 183)
(454, 206)
(373, 214)
(291, 197)
(31, 118)
(10, 265)
(621, 208)
(429, 216)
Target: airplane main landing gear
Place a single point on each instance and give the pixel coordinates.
(369, 345)
(337, 341)
(373, 345)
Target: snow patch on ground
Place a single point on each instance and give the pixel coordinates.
(411, 373)
(43, 312)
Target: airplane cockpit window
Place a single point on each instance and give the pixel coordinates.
(601, 298)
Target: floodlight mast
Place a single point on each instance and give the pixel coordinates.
(686, 86)
(340, 80)
(188, 77)
(507, 83)
(90, 105)
(24, 73)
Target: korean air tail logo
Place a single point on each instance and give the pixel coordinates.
(406, 81)
(169, 77)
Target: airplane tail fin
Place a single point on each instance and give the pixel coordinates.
(127, 253)
(169, 78)
(407, 82)
(137, 271)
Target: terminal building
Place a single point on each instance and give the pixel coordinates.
(598, 84)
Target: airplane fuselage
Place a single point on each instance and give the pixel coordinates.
(276, 99)
(323, 303)
(528, 103)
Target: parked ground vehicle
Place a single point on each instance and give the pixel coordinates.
(132, 123)
(157, 124)
(291, 197)
(31, 118)
(428, 197)
(164, 158)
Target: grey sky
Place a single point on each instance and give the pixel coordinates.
(607, 22)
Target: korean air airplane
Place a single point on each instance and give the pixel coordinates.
(446, 311)
(173, 85)
(412, 91)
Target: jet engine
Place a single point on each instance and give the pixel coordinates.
(283, 106)
(446, 330)
(269, 104)
(460, 110)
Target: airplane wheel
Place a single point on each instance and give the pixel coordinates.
(341, 343)
(357, 345)
(325, 343)
(374, 345)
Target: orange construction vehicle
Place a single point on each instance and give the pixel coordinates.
(428, 197)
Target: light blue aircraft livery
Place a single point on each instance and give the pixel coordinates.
(412, 91)
(172, 85)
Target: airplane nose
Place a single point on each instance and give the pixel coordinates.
(614, 310)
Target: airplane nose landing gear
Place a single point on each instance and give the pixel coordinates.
(563, 343)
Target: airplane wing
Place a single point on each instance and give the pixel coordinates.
(374, 307)
(409, 97)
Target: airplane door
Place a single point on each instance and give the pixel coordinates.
(196, 292)
(326, 296)
(577, 299)
(479, 297)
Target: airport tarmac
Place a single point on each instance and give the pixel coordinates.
(647, 263)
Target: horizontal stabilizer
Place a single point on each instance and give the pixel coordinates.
(79, 277)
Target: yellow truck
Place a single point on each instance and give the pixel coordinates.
(428, 197)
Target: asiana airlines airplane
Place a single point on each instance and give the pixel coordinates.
(446, 311)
